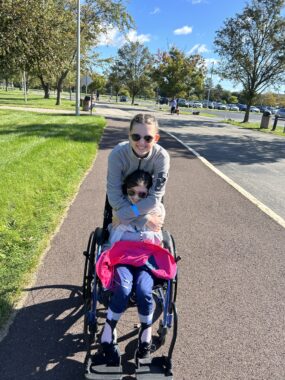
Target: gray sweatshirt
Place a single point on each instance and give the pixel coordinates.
(122, 162)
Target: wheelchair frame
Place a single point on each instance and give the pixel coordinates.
(165, 294)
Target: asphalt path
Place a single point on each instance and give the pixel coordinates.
(231, 280)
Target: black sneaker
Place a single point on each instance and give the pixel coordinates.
(144, 349)
(111, 353)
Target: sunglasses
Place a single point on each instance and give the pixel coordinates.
(140, 194)
(137, 137)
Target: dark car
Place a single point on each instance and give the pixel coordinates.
(242, 107)
(123, 98)
(163, 100)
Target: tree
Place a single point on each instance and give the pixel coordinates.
(178, 75)
(251, 46)
(40, 36)
(115, 79)
(133, 67)
(98, 83)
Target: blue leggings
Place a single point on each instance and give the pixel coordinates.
(126, 278)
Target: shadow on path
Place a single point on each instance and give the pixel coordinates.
(40, 344)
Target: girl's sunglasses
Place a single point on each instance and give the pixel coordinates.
(140, 194)
(137, 137)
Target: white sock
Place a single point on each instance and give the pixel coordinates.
(107, 333)
(146, 335)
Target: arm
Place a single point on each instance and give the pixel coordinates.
(145, 206)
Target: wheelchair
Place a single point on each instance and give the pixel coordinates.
(96, 301)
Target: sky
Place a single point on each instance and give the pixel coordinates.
(190, 25)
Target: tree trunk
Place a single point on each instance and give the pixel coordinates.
(58, 91)
(133, 99)
(59, 87)
(246, 115)
(46, 87)
(6, 83)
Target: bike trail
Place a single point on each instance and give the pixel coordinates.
(231, 280)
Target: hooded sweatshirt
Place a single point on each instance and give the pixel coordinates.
(122, 162)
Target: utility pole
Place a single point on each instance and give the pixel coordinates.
(77, 103)
(210, 84)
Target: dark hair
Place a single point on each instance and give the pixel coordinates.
(136, 178)
(144, 118)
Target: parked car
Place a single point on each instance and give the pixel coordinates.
(123, 98)
(254, 109)
(222, 106)
(280, 112)
(233, 107)
(262, 108)
(163, 100)
(197, 105)
(182, 102)
(272, 110)
(242, 107)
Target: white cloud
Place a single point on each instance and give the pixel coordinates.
(110, 38)
(155, 11)
(184, 30)
(211, 62)
(198, 49)
(114, 38)
(133, 36)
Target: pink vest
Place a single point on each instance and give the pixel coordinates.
(137, 253)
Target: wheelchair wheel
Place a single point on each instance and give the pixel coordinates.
(89, 283)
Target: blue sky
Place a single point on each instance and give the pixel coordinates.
(188, 24)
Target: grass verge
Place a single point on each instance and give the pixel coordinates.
(43, 159)
(279, 131)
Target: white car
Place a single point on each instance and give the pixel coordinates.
(254, 109)
(197, 105)
(233, 107)
(222, 107)
(280, 112)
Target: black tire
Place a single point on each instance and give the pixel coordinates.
(89, 282)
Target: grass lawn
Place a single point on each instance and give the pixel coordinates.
(35, 99)
(43, 159)
(256, 126)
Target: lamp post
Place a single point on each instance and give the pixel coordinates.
(210, 84)
(77, 103)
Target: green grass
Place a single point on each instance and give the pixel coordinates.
(279, 131)
(35, 99)
(43, 159)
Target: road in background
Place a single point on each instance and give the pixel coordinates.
(254, 160)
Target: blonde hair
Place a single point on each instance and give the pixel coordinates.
(144, 118)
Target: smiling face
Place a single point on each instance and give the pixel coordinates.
(142, 138)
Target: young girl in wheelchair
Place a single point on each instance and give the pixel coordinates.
(128, 278)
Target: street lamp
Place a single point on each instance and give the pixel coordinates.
(77, 102)
(210, 84)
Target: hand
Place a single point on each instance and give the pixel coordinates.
(154, 222)
(115, 221)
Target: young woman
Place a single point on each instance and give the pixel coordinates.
(140, 152)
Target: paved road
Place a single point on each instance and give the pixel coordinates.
(231, 281)
(255, 161)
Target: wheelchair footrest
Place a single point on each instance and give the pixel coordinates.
(97, 369)
(153, 369)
